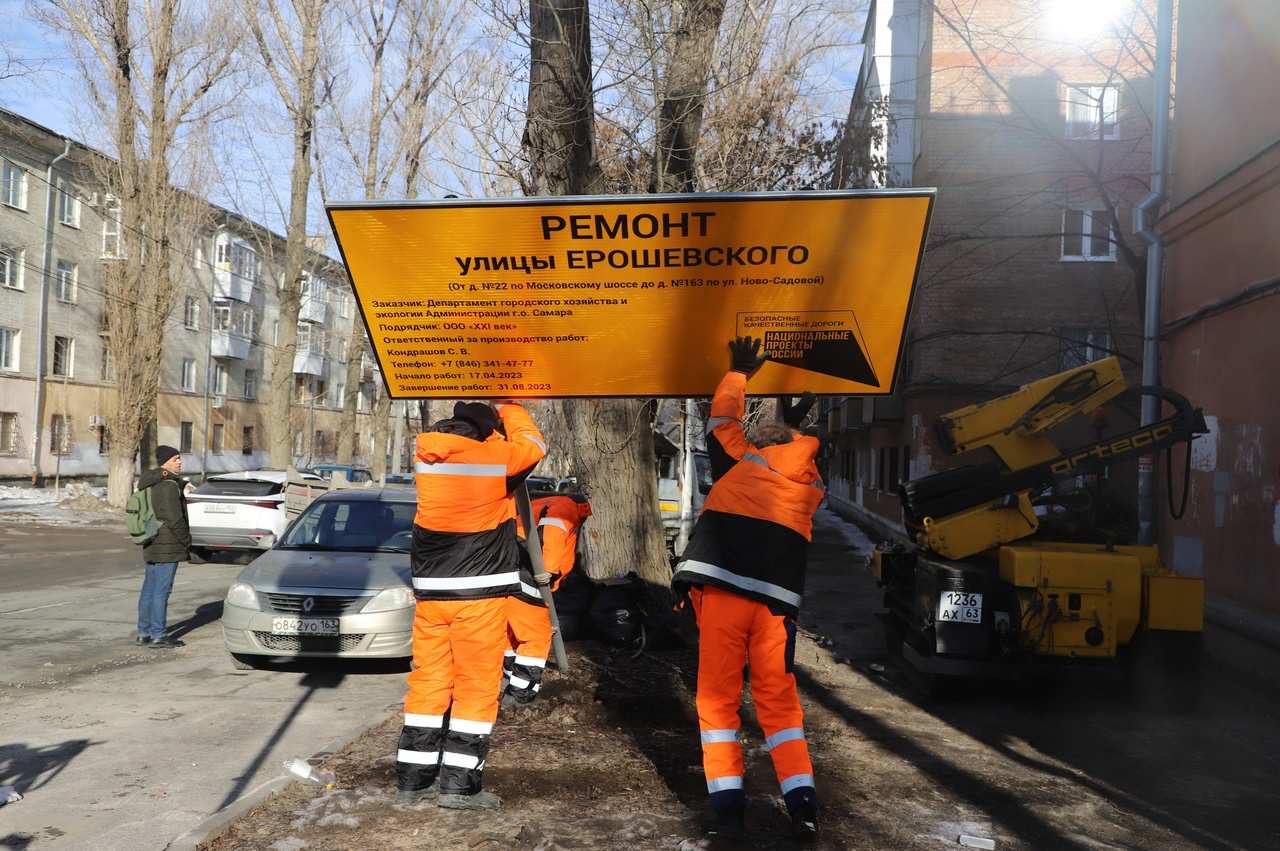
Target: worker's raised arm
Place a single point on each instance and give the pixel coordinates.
(527, 444)
(726, 442)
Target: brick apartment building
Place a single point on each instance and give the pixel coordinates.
(1221, 305)
(217, 346)
(1035, 128)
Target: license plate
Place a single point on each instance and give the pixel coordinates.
(959, 607)
(220, 508)
(304, 626)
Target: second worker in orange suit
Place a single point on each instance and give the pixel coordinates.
(466, 562)
(744, 571)
(558, 519)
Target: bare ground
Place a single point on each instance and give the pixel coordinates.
(610, 759)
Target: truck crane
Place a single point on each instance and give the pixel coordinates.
(983, 592)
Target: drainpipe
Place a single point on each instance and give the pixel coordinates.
(1144, 219)
(42, 321)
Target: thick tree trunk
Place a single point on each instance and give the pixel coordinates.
(347, 450)
(381, 421)
(684, 94)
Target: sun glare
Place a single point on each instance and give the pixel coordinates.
(1074, 20)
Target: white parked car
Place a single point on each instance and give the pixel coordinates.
(238, 513)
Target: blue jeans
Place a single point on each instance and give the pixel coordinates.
(153, 602)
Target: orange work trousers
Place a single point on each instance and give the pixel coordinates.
(452, 700)
(735, 631)
(529, 635)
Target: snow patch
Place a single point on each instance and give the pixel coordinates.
(74, 504)
(850, 535)
(289, 843)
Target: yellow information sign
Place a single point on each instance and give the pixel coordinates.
(635, 295)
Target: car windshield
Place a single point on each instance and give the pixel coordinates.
(352, 526)
(238, 487)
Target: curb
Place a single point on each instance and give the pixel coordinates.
(214, 825)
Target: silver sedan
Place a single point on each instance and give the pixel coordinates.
(337, 584)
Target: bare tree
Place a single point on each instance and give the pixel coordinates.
(150, 67)
(289, 47)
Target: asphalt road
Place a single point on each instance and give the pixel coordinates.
(120, 747)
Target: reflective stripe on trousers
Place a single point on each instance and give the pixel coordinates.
(734, 632)
(529, 634)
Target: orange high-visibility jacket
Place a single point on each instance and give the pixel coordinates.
(464, 542)
(753, 535)
(558, 519)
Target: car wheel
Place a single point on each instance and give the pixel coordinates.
(241, 663)
(197, 556)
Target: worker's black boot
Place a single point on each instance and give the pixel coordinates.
(802, 804)
(727, 823)
(413, 796)
(474, 801)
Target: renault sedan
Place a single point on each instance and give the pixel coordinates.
(337, 584)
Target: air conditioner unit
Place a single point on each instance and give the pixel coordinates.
(97, 421)
(219, 401)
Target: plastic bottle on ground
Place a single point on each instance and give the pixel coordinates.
(304, 770)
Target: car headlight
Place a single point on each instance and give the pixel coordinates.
(242, 594)
(389, 599)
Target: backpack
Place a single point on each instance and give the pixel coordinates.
(140, 518)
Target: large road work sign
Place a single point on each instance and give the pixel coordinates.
(635, 295)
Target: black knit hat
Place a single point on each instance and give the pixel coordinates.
(478, 414)
(164, 453)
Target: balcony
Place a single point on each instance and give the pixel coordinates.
(309, 362)
(227, 284)
(313, 310)
(226, 344)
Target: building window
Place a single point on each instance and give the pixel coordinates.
(892, 476)
(13, 188)
(344, 306)
(362, 400)
(298, 437)
(906, 463)
(321, 445)
(275, 332)
(11, 267)
(246, 440)
(244, 262)
(112, 248)
(191, 313)
(104, 440)
(60, 434)
(1093, 112)
(68, 205)
(186, 431)
(1088, 235)
(67, 275)
(1079, 346)
(219, 380)
(64, 357)
(215, 439)
(222, 251)
(10, 339)
(339, 394)
(8, 433)
(189, 375)
(250, 384)
(221, 316)
(108, 364)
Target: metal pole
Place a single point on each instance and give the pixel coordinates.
(688, 478)
(208, 373)
(525, 508)
(42, 314)
(397, 443)
(1145, 219)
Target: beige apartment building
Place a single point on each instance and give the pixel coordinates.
(57, 230)
(1035, 130)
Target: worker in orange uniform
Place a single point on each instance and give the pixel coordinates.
(466, 561)
(744, 571)
(558, 519)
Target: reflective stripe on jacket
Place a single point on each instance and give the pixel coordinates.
(754, 531)
(464, 543)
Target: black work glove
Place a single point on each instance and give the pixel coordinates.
(744, 355)
(793, 415)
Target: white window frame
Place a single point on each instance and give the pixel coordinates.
(339, 394)
(68, 204)
(188, 375)
(1098, 101)
(108, 363)
(216, 435)
(10, 349)
(112, 241)
(13, 188)
(69, 358)
(12, 271)
(221, 319)
(63, 280)
(63, 446)
(1091, 344)
(251, 384)
(191, 314)
(344, 306)
(9, 442)
(220, 375)
(1086, 237)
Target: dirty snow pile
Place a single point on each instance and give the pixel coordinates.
(76, 503)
